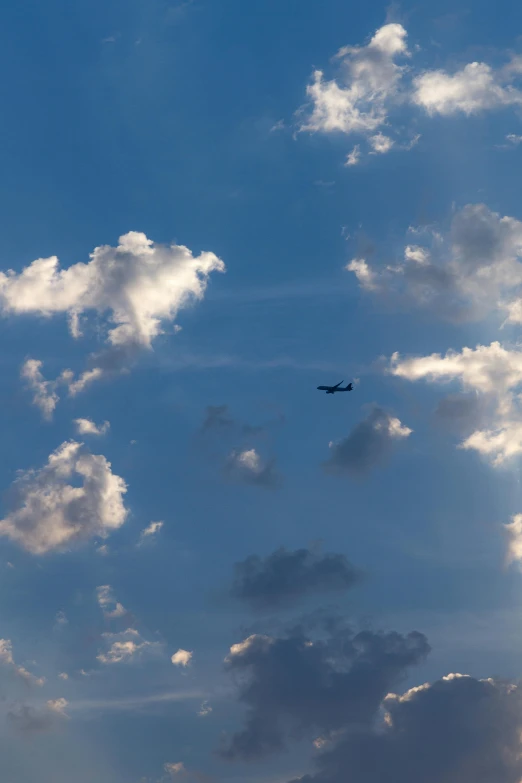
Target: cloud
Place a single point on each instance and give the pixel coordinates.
(369, 79)
(150, 532)
(375, 80)
(88, 427)
(45, 396)
(29, 720)
(51, 514)
(60, 620)
(368, 443)
(294, 686)
(182, 658)
(6, 659)
(493, 372)
(217, 417)
(127, 647)
(354, 156)
(174, 770)
(513, 532)
(205, 709)
(456, 729)
(464, 276)
(475, 88)
(380, 143)
(247, 467)
(283, 577)
(139, 285)
(464, 412)
(108, 604)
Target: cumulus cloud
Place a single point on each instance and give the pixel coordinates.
(110, 607)
(28, 720)
(52, 514)
(294, 686)
(88, 427)
(357, 102)
(476, 87)
(6, 659)
(247, 467)
(464, 275)
(456, 729)
(127, 647)
(368, 443)
(375, 80)
(284, 576)
(492, 371)
(182, 658)
(139, 285)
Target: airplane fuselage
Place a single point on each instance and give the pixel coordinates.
(334, 389)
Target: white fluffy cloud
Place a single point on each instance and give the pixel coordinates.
(491, 370)
(138, 285)
(52, 514)
(110, 607)
(88, 427)
(374, 79)
(7, 659)
(127, 647)
(369, 77)
(475, 269)
(477, 87)
(182, 658)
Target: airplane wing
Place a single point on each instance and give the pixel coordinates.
(337, 385)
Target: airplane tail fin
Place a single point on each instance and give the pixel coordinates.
(349, 387)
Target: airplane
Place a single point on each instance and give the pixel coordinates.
(336, 388)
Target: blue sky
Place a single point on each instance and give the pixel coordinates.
(230, 232)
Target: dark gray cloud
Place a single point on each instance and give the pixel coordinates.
(368, 443)
(284, 576)
(457, 730)
(296, 685)
(461, 275)
(463, 412)
(217, 417)
(28, 720)
(247, 467)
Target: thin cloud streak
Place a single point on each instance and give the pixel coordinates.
(201, 362)
(134, 702)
